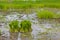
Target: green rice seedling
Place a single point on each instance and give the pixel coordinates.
(14, 26)
(45, 14)
(25, 26)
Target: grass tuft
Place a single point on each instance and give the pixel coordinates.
(45, 14)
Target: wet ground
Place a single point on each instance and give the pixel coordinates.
(42, 29)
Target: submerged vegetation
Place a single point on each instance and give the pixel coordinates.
(45, 14)
(25, 26)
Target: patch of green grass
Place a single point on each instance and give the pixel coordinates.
(28, 4)
(25, 26)
(14, 26)
(45, 14)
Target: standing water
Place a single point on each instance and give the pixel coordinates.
(42, 29)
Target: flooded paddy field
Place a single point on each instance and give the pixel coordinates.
(43, 29)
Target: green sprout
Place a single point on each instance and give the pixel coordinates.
(45, 14)
(14, 26)
(25, 26)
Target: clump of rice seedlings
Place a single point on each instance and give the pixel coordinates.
(45, 14)
(25, 26)
(14, 26)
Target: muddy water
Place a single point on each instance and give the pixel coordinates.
(42, 29)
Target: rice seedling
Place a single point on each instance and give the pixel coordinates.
(25, 26)
(14, 26)
(45, 14)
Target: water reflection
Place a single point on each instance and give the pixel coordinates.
(14, 36)
(26, 36)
